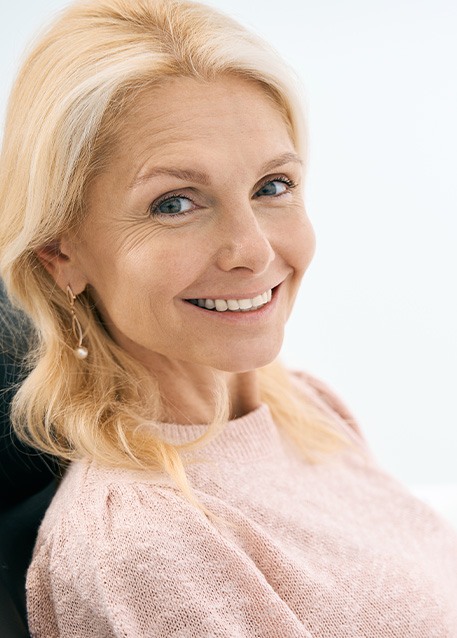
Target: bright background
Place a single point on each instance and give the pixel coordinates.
(377, 315)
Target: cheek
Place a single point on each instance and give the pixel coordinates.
(299, 251)
(178, 263)
(309, 241)
(299, 243)
(147, 278)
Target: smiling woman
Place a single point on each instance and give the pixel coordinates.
(249, 229)
(154, 230)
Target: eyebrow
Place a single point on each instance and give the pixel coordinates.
(200, 177)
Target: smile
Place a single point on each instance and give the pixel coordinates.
(234, 305)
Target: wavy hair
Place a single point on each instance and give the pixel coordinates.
(63, 116)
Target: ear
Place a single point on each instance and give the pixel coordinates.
(59, 258)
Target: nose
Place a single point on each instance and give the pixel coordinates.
(243, 242)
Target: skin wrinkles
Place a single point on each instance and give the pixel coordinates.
(141, 268)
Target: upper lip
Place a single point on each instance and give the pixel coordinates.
(238, 295)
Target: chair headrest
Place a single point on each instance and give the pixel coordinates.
(23, 471)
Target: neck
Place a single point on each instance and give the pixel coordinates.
(188, 392)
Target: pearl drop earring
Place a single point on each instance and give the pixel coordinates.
(80, 351)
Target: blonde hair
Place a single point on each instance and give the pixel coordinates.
(63, 112)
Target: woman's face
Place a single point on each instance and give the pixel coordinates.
(201, 200)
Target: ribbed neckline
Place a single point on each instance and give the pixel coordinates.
(251, 436)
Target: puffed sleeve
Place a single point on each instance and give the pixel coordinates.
(140, 563)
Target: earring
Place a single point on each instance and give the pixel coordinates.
(80, 351)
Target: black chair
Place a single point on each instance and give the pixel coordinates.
(27, 480)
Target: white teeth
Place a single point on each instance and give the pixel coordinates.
(245, 304)
(234, 305)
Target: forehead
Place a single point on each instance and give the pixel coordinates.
(187, 115)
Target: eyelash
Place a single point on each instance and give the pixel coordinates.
(153, 209)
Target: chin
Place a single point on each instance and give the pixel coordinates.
(247, 361)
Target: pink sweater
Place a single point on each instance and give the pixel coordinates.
(335, 550)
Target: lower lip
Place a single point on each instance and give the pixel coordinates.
(245, 318)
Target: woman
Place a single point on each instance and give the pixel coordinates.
(153, 228)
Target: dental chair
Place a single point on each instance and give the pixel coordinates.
(27, 478)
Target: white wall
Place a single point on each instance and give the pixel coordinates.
(377, 315)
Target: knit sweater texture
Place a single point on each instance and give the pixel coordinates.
(336, 549)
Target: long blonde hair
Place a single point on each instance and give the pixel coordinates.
(63, 112)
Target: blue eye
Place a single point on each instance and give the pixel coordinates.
(172, 206)
(275, 187)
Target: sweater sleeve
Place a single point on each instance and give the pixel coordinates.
(133, 566)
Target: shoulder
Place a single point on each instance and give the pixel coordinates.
(325, 397)
(95, 505)
(104, 524)
(117, 552)
(108, 533)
